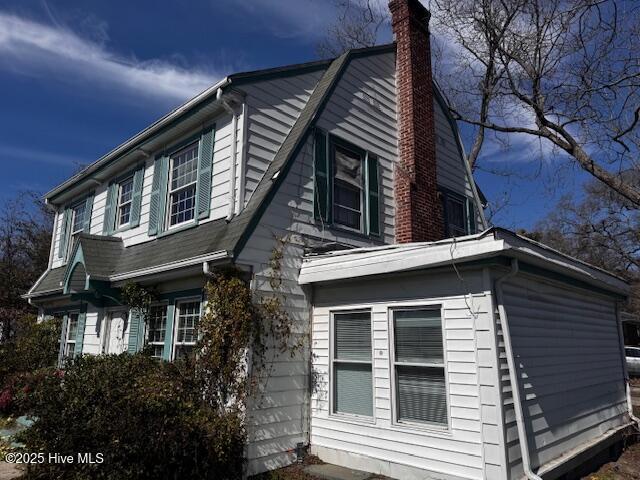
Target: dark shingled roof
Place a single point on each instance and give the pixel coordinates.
(106, 256)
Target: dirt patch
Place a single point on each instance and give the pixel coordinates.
(626, 467)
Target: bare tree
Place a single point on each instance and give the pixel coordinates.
(357, 25)
(25, 236)
(564, 71)
(602, 228)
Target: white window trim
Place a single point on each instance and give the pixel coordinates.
(350, 417)
(120, 205)
(68, 341)
(71, 233)
(167, 218)
(176, 322)
(164, 304)
(409, 425)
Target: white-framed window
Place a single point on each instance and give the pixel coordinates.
(77, 224)
(351, 364)
(419, 379)
(125, 198)
(348, 186)
(187, 315)
(157, 329)
(70, 336)
(183, 178)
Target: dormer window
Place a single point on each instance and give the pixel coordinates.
(347, 188)
(125, 199)
(183, 178)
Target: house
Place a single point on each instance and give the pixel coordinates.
(360, 153)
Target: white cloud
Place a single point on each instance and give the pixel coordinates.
(36, 49)
(31, 155)
(307, 19)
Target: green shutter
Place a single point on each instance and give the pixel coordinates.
(373, 196)
(88, 210)
(205, 161)
(136, 332)
(136, 199)
(63, 339)
(158, 195)
(110, 209)
(471, 215)
(321, 172)
(65, 229)
(82, 317)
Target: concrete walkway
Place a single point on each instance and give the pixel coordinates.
(334, 472)
(9, 471)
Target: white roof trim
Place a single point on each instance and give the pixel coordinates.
(361, 262)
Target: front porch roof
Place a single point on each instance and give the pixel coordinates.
(492, 243)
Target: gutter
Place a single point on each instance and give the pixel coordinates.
(138, 139)
(513, 375)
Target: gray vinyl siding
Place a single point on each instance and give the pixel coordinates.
(362, 110)
(382, 445)
(273, 106)
(451, 170)
(280, 420)
(567, 346)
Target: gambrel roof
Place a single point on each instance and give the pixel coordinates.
(219, 238)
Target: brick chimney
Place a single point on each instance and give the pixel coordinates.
(419, 215)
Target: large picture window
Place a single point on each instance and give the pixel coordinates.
(186, 332)
(418, 362)
(351, 364)
(183, 177)
(157, 329)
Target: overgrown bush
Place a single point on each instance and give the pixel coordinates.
(33, 347)
(146, 417)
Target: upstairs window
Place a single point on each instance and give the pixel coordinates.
(459, 214)
(77, 223)
(183, 178)
(125, 199)
(347, 185)
(347, 188)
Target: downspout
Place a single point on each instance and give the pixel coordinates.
(234, 150)
(513, 375)
(627, 385)
(243, 155)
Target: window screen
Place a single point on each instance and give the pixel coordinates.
(347, 188)
(352, 371)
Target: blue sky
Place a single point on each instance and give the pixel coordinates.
(80, 77)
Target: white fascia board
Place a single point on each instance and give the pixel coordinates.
(546, 258)
(382, 260)
(171, 266)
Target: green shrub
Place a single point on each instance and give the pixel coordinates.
(146, 418)
(33, 347)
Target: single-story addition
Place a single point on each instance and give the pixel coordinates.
(431, 360)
